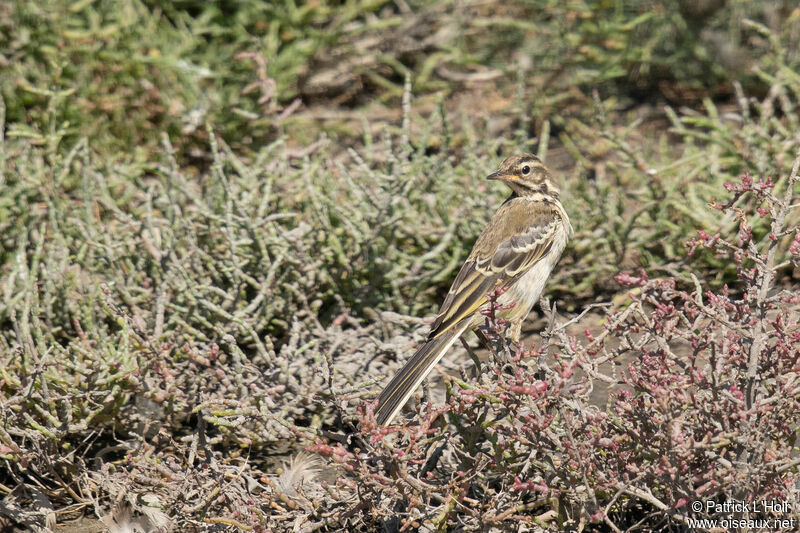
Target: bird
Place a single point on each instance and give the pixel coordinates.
(517, 250)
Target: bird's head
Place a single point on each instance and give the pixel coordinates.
(526, 175)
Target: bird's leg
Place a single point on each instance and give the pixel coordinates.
(544, 305)
(426, 395)
(483, 339)
(550, 312)
(472, 354)
(510, 347)
(498, 344)
(516, 330)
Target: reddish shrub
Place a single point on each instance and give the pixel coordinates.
(705, 410)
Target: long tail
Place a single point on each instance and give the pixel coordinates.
(402, 386)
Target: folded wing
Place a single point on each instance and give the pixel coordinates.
(516, 249)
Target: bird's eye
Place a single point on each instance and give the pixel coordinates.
(526, 169)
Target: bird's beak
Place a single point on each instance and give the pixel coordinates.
(502, 176)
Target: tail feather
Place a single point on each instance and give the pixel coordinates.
(403, 385)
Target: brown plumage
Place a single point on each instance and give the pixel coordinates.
(518, 249)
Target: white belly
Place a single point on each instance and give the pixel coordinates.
(527, 290)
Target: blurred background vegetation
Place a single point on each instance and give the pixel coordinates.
(182, 176)
(122, 72)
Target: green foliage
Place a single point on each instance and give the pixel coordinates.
(637, 202)
(130, 70)
(127, 71)
(176, 231)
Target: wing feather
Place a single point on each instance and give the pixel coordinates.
(502, 254)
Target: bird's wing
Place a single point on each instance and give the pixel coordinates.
(517, 237)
